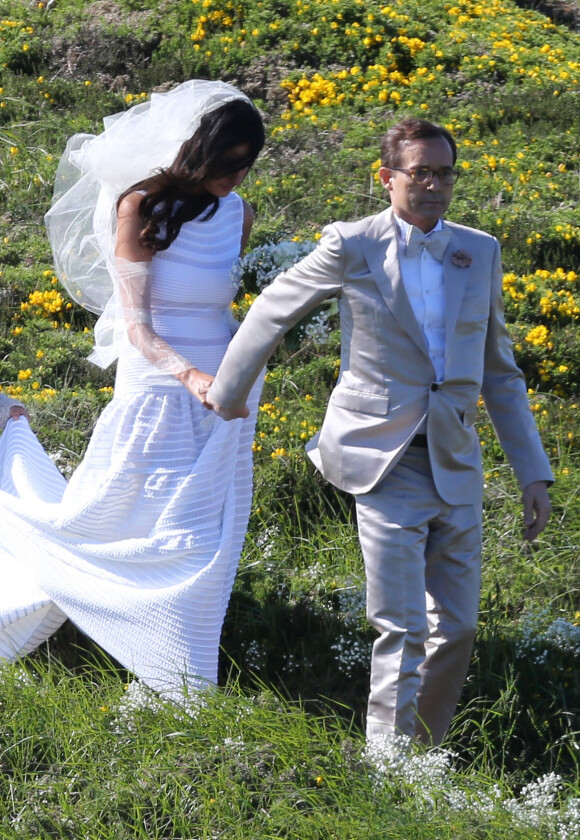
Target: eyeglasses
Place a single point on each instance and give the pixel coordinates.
(422, 174)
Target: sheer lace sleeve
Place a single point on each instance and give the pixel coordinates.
(134, 288)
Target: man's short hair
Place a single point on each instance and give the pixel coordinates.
(407, 130)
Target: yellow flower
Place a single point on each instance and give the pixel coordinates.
(538, 336)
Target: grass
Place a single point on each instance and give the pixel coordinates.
(278, 749)
(93, 758)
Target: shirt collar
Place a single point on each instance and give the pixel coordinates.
(403, 227)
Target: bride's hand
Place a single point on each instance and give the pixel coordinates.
(197, 383)
(17, 411)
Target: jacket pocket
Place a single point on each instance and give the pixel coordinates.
(363, 401)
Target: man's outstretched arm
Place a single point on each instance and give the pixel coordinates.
(290, 297)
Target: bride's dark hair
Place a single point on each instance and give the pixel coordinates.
(170, 197)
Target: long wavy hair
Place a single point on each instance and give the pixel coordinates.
(171, 197)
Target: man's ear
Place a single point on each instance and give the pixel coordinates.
(385, 177)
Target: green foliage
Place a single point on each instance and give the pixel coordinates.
(329, 78)
(88, 757)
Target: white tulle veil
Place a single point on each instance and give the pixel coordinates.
(96, 169)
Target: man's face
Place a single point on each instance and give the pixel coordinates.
(420, 204)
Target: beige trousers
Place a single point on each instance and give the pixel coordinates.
(422, 561)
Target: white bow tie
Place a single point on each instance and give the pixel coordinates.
(435, 242)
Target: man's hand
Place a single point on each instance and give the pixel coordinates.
(226, 413)
(17, 411)
(537, 509)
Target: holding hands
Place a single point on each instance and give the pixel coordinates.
(197, 383)
(226, 413)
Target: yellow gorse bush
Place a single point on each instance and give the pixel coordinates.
(399, 56)
(45, 304)
(555, 295)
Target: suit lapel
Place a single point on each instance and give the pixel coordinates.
(379, 245)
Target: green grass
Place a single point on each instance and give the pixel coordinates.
(278, 749)
(85, 756)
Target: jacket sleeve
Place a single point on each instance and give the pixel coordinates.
(279, 307)
(505, 394)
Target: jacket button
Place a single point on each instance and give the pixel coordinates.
(434, 386)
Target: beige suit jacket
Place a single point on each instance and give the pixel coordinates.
(386, 385)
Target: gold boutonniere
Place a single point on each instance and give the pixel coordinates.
(462, 259)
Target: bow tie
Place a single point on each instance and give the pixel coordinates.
(435, 242)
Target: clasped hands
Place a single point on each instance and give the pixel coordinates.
(226, 413)
(198, 384)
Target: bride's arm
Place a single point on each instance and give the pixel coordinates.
(134, 275)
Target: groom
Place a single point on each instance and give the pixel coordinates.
(423, 336)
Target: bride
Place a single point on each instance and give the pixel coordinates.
(140, 548)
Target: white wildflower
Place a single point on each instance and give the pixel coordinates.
(428, 772)
(349, 651)
(254, 654)
(257, 269)
(539, 636)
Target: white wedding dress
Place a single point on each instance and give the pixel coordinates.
(140, 548)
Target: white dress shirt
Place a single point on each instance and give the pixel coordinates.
(423, 281)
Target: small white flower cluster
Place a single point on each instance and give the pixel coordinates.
(61, 462)
(137, 696)
(292, 664)
(262, 265)
(538, 808)
(564, 635)
(568, 822)
(433, 781)
(428, 772)
(254, 654)
(266, 541)
(235, 745)
(350, 650)
(539, 636)
(317, 572)
(536, 802)
(317, 329)
(352, 601)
